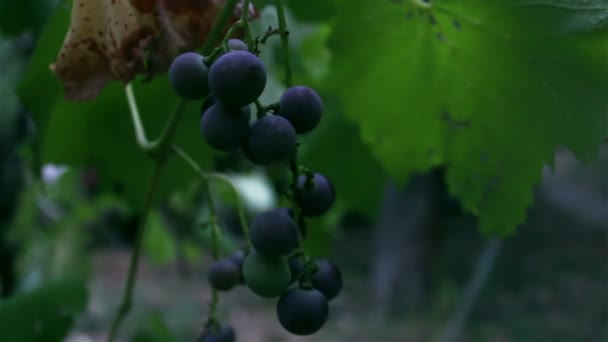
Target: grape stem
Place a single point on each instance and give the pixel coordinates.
(215, 231)
(269, 33)
(127, 298)
(215, 241)
(260, 109)
(293, 159)
(284, 42)
(245, 20)
(216, 31)
(237, 25)
(140, 133)
(159, 151)
(224, 179)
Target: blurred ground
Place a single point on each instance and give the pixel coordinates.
(550, 284)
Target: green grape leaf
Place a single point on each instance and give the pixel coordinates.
(100, 133)
(336, 150)
(312, 10)
(43, 314)
(488, 88)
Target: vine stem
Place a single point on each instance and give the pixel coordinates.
(245, 21)
(216, 31)
(140, 133)
(158, 150)
(284, 42)
(215, 238)
(127, 298)
(293, 159)
(240, 208)
(224, 179)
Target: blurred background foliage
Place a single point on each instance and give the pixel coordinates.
(72, 181)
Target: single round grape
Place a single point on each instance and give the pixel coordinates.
(271, 139)
(315, 198)
(237, 44)
(302, 106)
(237, 78)
(274, 233)
(223, 334)
(223, 128)
(189, 76)
(327, 279)
(224, 274)
(238, 258)
(302, 312)
(266, 276)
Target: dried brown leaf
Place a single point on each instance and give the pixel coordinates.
(119, 39)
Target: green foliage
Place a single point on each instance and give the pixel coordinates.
(100, 133)
(335, 150)
(311, 10)
(155, 329)
(44, 314)
(488, 88)
(20, 16)
(159, 245)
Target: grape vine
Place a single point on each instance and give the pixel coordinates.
(228, 79)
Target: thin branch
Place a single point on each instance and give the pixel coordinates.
(163, 143)
(217, 29)
(247, 30)
(240, 208)
(222, 178)
(127, 298)
(140, 133)
(284, 42)
(159, 148)
(260, 110)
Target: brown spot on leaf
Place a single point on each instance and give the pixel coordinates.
(111, 40)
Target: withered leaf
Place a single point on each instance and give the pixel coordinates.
(115, 39)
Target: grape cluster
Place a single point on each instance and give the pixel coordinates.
(276, 265)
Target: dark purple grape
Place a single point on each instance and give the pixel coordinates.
(271, 139)
(189, 76)
(223, 128)
(224, 334)
(237, 78)
(302, 106)
(237, 44)
(327, 279)
(273, 233)
(302, 312)
(238, 258)
(224, 274)
(315, 198)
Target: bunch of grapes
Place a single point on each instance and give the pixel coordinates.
(276, 266)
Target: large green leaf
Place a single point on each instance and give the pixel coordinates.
(100, 133)
(44, 314)
(489, 88)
